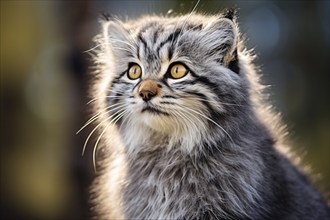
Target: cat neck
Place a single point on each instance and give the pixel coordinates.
(231, 174)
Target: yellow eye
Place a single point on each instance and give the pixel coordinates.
(178, 71)
(134, 72)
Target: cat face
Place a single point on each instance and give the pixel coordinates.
(176, 76)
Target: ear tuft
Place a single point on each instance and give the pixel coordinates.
(106, 16)
(230, 13)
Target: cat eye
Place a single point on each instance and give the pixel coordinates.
(178, 71)
(134, 72)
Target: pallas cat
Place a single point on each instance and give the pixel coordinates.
(183, 131)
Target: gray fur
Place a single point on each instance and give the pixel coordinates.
(215, 155)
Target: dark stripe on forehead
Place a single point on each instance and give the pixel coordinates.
(156, 33)
(143, 41)
(146, 27)
(144, 47)
(171, 38)
(170, 52)
(148, 52)
(138, 51)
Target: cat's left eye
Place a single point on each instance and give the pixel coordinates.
(134, 72)
(178, 71)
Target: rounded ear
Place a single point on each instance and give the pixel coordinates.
(223, 36)
(113, 30)
(116, 37)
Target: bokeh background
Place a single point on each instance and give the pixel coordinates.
(44, 83)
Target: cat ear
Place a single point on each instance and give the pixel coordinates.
(116, 37)
(230, 13)
(222, 37)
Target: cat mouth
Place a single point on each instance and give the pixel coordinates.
(154, 110)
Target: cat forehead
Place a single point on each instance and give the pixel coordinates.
(178, 22)
(154, 38)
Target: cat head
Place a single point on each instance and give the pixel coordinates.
(175, 77)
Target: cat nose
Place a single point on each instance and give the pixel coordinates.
(148, 89)
(147, 95)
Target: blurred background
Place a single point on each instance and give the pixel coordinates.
(44, 83)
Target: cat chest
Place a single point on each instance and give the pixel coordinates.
(170, 192)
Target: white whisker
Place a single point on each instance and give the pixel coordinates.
(123, 49)
(97, 98)
(124, 42)
(187, 18)
(93, 48)
(211, 101)
(219, 126)
(91, 133)
(113, 121)
(93, 118)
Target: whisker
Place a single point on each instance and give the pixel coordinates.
(93, 48)
(112, 41)
(124, 42)
(102, 112)
(117, 91)
(123, 49)
(195, 7)
(97, 98)
(91, 133)
(187, 18)
(196, 118)
(113, 121)
(184, 115)
(219, 126)
(215, 102)
(124, 121)
(184, 118)
(92, 119)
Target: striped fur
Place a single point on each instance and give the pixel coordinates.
(204, 146)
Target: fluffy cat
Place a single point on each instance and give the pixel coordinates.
(183, 131)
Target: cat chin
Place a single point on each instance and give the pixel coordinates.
(161, 123)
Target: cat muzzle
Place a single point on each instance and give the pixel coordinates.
(148, 89)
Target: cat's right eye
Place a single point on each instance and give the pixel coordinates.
(134, 72)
